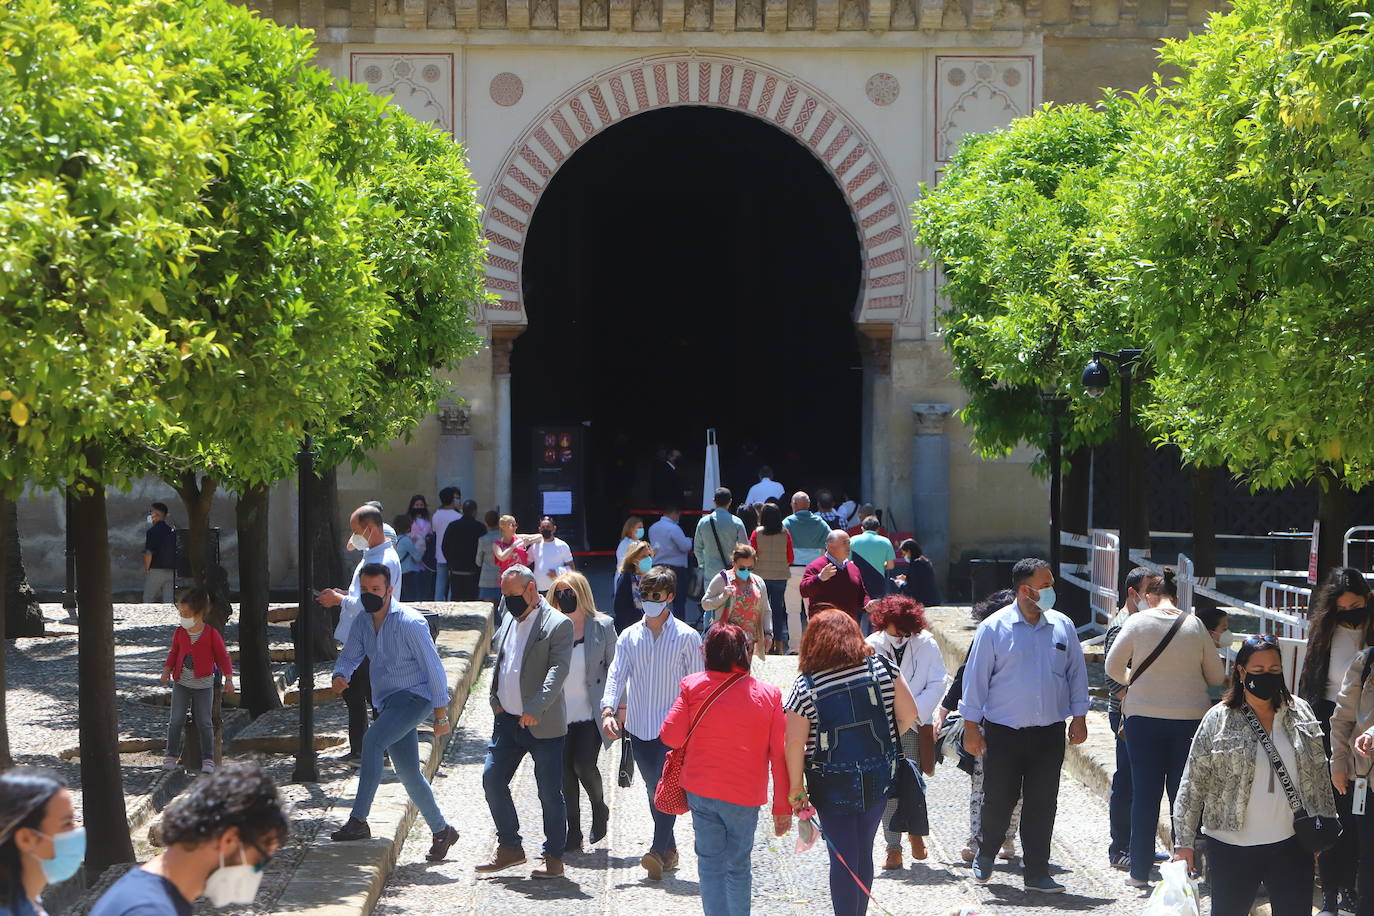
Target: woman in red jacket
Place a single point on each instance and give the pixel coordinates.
(197, 652)
(737, 741)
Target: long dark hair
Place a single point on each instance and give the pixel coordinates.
(1322, 626)
(749, 514)
(992, 604)
(418, 513)
(24, 796)
(770, 519)
(1234, 697)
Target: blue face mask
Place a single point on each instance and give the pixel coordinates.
(742, 574)
(69, 850)
(646, 564)
(639, 534)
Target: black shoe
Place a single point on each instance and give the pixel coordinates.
(443, 841)
(574, 843)
(600, 820)
(353, 830)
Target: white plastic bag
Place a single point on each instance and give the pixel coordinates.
(1175, 895)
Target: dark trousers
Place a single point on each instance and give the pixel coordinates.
(1119, 803)
(358, 698)
(1159, 751)
(1022, 763)
(777, 601)
(462, 586)
(580, 751)
(684, 579)
(851, 836)
(1337, 866)
(1364, 833)
(413, 585)
(649, 757)
(509, 745)
(1236, 873)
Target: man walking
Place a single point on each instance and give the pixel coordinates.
(671, 548)
(1138, 581)
(767, 488)
(652, 657)
(1025, 675)
(835, 579)
(533, 653)
(550, 556)
(408, 681)
(876, 550)
(159, 557)
(717, 534)
(446, 514)
(369, 537)
(460, 551)
(808, 531)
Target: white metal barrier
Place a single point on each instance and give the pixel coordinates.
(1101, 571)
(1185, 583)
(1363, 535)
(1289, 600)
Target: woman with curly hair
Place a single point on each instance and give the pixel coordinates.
(900, 636)
(844, 715)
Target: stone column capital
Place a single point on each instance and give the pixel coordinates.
(502, 340)
(930, 418)
(455, 420)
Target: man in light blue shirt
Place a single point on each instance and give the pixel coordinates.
(808, 532)
(671, 548)
(717, 534)
(1025, 675)
(408, 681)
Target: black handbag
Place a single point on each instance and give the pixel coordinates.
(1316, 833)
(909, 789)
(627, 761)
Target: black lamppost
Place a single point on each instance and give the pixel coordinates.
(306, 769)
(69, 588)
(1096, 379)
(1055, 405)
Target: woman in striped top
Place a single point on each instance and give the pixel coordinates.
(848, 768)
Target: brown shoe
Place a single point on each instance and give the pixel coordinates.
(893, 860)
(918, 847)
(552, 868)
(669, 860)
(503, 858)
(653, 865)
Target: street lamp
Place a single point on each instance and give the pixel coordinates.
(1055, 405)
(1097, 379)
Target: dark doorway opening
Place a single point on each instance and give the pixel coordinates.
(689, 268)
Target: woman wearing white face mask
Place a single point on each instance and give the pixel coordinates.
(220, 837)
(40, 843)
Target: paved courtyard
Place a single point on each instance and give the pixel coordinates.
(608, 879)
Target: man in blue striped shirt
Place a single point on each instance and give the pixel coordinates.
(408, 681)
(651, 659)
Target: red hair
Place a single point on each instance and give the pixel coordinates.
(832, 641)
(906, 614)
(727, 648)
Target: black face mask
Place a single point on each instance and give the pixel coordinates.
(1265, 686)
(1353, 617)
(372, 603)
(546, 534)
(567, 600)
(419, 512)
(517, 605)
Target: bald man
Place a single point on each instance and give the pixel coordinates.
(835, 579)
(369, 537)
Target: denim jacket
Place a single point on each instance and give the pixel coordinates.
(1215, 789)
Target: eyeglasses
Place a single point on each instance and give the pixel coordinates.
(656, 596)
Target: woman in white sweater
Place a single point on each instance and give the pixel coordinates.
(900, 635)
(1163, 706)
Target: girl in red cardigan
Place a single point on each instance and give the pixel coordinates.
(197, 652)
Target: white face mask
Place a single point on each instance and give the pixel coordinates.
(188, 622)
(233, 884)
(150, 520)
(359, 542)
(1046, 600)
(897, 641)
(655, 609)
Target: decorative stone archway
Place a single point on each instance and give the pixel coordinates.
(717, 81)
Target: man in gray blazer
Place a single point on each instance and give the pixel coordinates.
(533, 649)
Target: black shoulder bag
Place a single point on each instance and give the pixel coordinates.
(1149, 660)
(715, 536)
(908, 788)
(1316, 833)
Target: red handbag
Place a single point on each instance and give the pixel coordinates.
(670, 797)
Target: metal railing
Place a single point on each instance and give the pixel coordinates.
(1290, 601)
(1101, 570)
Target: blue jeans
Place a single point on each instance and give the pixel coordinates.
(1159, 750)
(777, 601)
(509, 745)
(724, 840)
(489, 593)
(850, 836)
(394, 730)
(649, 757)
(441, 582)
(1119, 804)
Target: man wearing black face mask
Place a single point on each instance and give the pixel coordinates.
(550, 556)
(533, 651)
(408, 681)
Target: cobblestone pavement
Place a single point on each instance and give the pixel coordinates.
(608, 879)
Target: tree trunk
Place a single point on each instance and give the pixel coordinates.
(1333, 511)
(102, 783)
(328, 566)
(7, 519)
(23, 617)
(1140, 454)
(259, 691)
(1073, 514)
(199, 498)
(1203, 493)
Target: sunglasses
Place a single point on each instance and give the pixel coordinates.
(1262, 639)
(656, 596)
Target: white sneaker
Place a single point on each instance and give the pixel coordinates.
(1008, 850)
(207, 766)
(169, 763)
